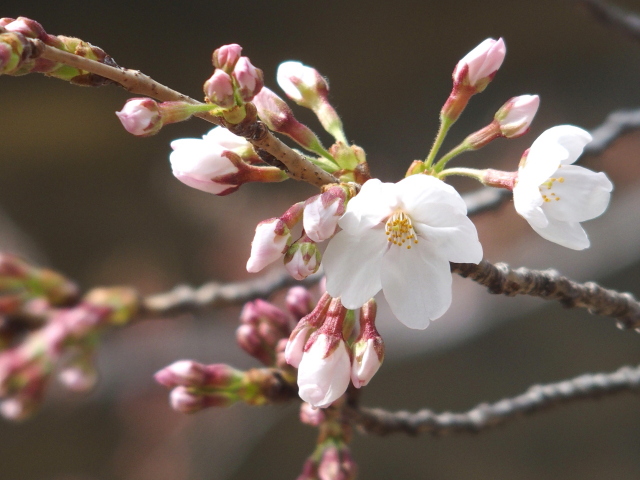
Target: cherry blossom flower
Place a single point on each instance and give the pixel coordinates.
(400, 238)
(555, 196)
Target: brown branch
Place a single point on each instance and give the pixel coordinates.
(485, 416)
(184, 298)
(613, 17)
(550, 285)
(136, 82)
(615, 125)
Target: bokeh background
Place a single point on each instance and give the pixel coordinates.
(78, 194)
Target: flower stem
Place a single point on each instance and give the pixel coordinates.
(439, 166)
(464, 172)
(445, 125)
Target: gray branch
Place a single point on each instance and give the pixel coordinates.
(485, 416)
(613, 17)
(187, 299)
(550, 285)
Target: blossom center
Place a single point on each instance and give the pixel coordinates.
(546, 189)
(399, 230)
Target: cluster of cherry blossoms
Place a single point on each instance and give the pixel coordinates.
(398, 238)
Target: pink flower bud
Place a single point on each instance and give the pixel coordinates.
(227, 56)
(477, 68)
(27, 27)
(307, 325)
(183, 372)
(324, 371)
(271, 240)
(79, 378)
(203, 165)
(219, 89)
(299, 301)
(322, 212)
(141, 117)
(248, 78)
(302, 258)
(515, 116)
(311, 415)
(337, 464)
(368, 349)
(186, 401)
(302, 84)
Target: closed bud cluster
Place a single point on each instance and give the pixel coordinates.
(22, 281)
(235, 80)
(263, 325)
(302, 258)
(299, 301)
(273, 238)
(337, 463)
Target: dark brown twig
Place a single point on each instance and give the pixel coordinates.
(485, 416)
(550, 285)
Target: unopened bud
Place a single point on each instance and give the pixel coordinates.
(299, 301)
(302, 258)
(227, 56)
(219, 89)
(183, 372)
(478, 67)
(271, 240)
(368, 349)
(248, 78)
(141, 117)
(185, 401)
(302, 84)
(515, 116)
(322, 212)
(337, 464)
(311, 415)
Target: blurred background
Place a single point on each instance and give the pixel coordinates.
(79, 194)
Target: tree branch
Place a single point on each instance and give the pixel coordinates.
(613, 17)
(136, 82)
(185, 299)
(550, 285)
(485, 416)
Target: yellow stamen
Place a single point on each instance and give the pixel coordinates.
(400, 230)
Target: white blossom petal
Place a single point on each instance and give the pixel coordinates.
(452, 234)
(416, 284)
(352, 266)
(567, 234)
(528, 202)
(580, 196)
(369, 208)
(420, 192)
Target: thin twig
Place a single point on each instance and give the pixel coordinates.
(184, 298)
(550, 285)
(485, 416)
(613, 17)
(136, 82)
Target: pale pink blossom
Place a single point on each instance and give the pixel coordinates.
(553, 195)
(219, 89)
(227, 56)
(248, 78)
(400, 238)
